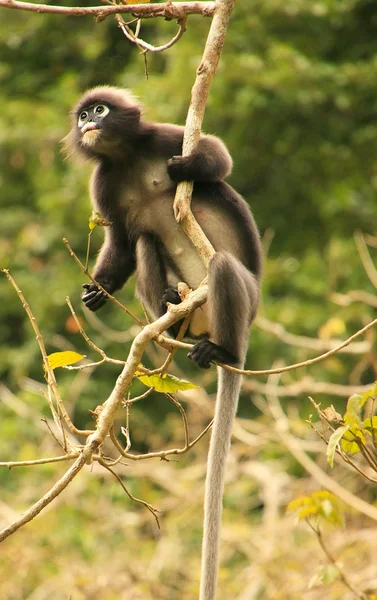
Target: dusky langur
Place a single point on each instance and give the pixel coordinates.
(137, 167)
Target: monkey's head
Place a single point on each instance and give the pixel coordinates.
(104, 122)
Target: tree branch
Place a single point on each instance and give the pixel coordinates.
(199, 95)
(168, 10)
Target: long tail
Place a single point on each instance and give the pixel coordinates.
(226, 406)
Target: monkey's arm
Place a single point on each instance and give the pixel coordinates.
(210, 161)
(115, 264)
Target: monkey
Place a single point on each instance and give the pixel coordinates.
(138, 165)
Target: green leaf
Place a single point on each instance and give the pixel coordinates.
(370, 423)
(307, 511)
(349, 444)
(299, 503)
(63, 359)
(167, 384)
(334, 442)
(369, 394)
(354, 404)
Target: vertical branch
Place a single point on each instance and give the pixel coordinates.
(199, 95)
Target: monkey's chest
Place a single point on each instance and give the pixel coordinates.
(148, 205)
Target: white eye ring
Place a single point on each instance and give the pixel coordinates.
(82, 118)
(101, 109)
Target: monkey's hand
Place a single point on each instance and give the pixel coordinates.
(206, 352)
(93, 298)
(171, 296)
(180, 168)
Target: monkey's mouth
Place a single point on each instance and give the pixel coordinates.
(90, 134)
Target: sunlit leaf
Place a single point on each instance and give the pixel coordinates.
(349, 443)
(370, 423)
(307, 511)
(63, 359)
(334, 442)
(167, 384)
(324, 495)
(369, 394)
(321, 504)
(299, 503)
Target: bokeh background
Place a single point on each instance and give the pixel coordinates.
(295, 101)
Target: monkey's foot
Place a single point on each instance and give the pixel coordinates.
(206, 352)
(93, 298)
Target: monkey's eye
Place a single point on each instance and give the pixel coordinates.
(101, 109)
(83, 116)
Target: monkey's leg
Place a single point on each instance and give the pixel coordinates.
(232, 298)
(151, 279)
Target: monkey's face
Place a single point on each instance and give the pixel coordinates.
(91, 122)
(105, 122)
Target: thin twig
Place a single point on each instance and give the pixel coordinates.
(50, 373)
(91, 344)
(55, 491)
(184, 417)
(137, 398)
(39, 461)
(305, 363)
(332, 560)
(151, 509)
(133, 37)
(109, 296)
(302, 341)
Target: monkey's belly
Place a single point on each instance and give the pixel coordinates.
(199, 325)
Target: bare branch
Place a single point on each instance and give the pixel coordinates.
(199, 95)
(306, 385)
(168, 10)
(302, 341)
(354, 296)
(32, 512)
(305, 363)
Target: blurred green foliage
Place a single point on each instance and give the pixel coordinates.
(294, 99)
